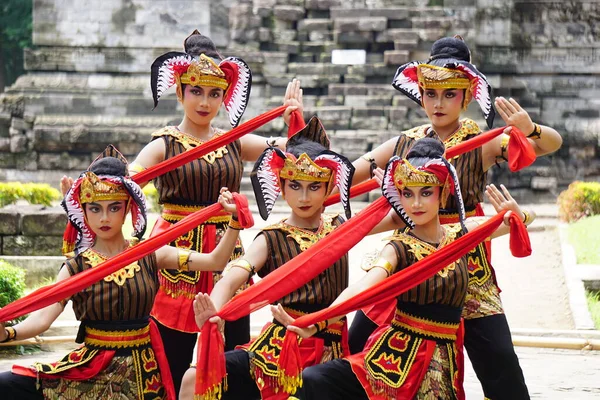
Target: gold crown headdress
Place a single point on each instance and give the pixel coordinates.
(204, 72)
(94, 189)
(303, 169)
(405, 175)
(434, 77)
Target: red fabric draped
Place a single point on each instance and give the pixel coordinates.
(64, 289)
(296, 123)
(210, 371)
(520, 155)
(213, 144)
(392, 287)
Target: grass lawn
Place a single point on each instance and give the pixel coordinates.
(584, 236)
(593, 299)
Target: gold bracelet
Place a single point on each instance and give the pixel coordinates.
(240, 263)
(526, 217)
(11, 334)
(137, 168)
(184, 260)
(235, 224)
(504, 144)
(382, 263)
(537, 132)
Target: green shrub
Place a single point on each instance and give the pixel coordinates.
(581, 199)
(152, 197)
(34, 193)
(12, 283)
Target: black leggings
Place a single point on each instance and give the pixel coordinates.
(333, 380)
(492, 354)
(490, 349)
(13, 386)
(179, 346)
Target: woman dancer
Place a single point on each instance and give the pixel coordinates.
(122, 355)
(204, 81)
(444, 86)
(416, 356)
(305, 175)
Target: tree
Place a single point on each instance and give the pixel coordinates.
(15, 35)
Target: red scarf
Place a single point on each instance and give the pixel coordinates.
(520, 155)
(58, 291)
(210, 371)
(400, 282)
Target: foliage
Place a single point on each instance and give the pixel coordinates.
(15, 35)
(152, 197)
(581, 199)
(583, 236)
(12, 283)
(593, 300)
(34, 193)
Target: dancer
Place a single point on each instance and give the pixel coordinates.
(417, 355)
(444, 86)
(122, 355)
(204, 81)
(305, 176)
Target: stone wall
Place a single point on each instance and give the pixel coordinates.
(88, 80)
(31, 230)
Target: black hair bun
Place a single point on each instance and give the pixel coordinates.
(298, 145)
(427, 148)
(450, 47)
(109, 166)
(197, 44)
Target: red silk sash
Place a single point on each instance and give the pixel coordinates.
(58, 291)
(393, 286)
(210, 370)
(520, 155)
(213, 144)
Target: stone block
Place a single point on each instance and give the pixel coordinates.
(398, 113)
(4, 144)
(32, 245)
(392, 35)
(396, 57)
(264, 35)
(375, 24)
(352, 37)
(20, 124)
(8, 160)
(314, 25)
(318, 36)
(325, 101)
(44, 222)
(9, 221)
(18, 144)
(369, 123)
(367, 112)
(286, 35)
(325, 47)
(287, 47)
(288, 13)
(322, 4)
(340, 113)
(303, 58)
(406, 44)
(297, 3)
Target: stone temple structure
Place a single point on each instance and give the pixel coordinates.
(88, 74)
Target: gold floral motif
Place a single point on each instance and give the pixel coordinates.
(422, 249)
(304, 169)
(119, 277)
(467, 127)
(189, 142)
(304, 237)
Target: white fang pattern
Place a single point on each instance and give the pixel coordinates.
(406, 84)
(238, 95)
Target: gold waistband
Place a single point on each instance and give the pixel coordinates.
(175, 212)
(425, 327)
(114, 339)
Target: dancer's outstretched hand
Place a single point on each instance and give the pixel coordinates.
(285, 319)
(503, 201)
(204, 309)
(513, 114)
(65, 184)
(292, 99)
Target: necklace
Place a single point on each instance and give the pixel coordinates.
(119, 277)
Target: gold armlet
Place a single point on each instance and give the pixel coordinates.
(537, 132)
(382, 263)
(11, 334)
(184, 259)
(368, 157)
(240, 263)
(504, 144)
(235, 224)
(137, 168)
(527, 217)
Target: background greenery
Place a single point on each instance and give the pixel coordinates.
(15, 35)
